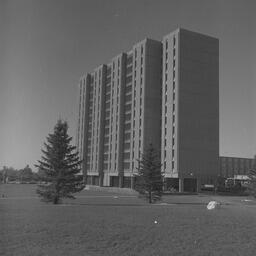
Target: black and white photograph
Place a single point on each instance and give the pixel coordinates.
(127, 127)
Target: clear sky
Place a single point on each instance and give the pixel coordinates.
(46, 45)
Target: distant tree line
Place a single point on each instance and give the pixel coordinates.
(25, 175)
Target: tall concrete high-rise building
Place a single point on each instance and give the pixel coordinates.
(119, 114)
(190, 109)
(161, 93)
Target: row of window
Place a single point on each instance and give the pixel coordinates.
(173, 82)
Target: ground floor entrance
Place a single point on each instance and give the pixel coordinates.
(181, 185)
(170, 184)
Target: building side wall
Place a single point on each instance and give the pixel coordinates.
(152, 95)
(81, 141)
(198, 106)
(145, 100)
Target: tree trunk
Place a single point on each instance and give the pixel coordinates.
(150, 197)
(56, 200)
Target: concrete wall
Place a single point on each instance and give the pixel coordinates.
(198, 105)
(230, 166)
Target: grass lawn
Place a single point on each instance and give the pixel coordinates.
(99, 223)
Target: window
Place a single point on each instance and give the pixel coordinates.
(174, 52)
(128, 89)
(128, 117)
(129, 59)
(108, 88)
(127, 126)
(127, 136)
(128, 107)
(126, 145)
(128, 70)
(166, 44)
(126, 165)
(128, 97)
(174, 40)
(128, 79)
(107, 122)
(108, 104)
(127, 156)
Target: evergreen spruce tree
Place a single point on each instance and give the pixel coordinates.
(149, 180)
(60, 165)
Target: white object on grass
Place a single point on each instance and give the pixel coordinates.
(213, 205)
(155, 221)
(247, 200)
(115, 197)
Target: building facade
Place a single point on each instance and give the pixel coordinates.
(231, 166)
(164, 93)
(190, 109)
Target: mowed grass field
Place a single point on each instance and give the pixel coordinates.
(106, 223)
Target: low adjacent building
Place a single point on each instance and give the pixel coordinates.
(232, 166)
